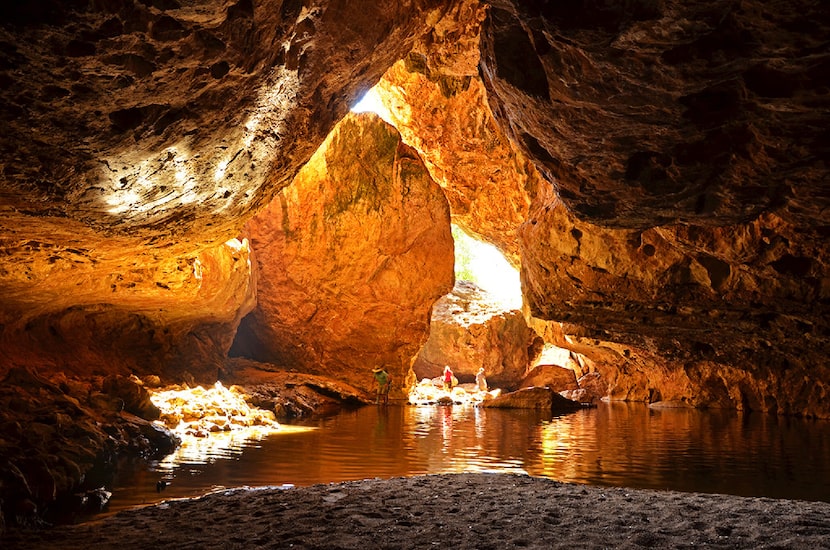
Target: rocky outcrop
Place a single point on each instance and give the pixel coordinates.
(552, 376)
(555, 79)
(688, 229)
(437, 100)
(646, 113)
(291, 395)
(536, 398)
(681, 225)
(60, 439)
(137, 138)
(665, 162)
(122, 314)
(350, 259)
(468, 331)
(171, 121)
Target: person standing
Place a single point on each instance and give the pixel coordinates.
(384, 382)
(447, 378)
(481, 381)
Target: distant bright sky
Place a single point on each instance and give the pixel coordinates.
(492, 272)
(370, 102)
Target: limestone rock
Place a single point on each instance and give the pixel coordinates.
(290, 394)
(437, 100)
(113, 311)
(553, 376)
(350, 259)
(645, 113)
(178, 121)
(687, 228)
(137, 138)
(468, 331)
(54, 435)
(135, 398)
(593, 384)
(543, 399)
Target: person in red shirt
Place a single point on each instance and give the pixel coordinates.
(447, 378)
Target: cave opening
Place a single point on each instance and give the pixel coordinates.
(483, 264)
(487, 282)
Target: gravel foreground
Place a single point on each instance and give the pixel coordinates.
(481, 511)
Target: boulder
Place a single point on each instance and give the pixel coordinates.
(350, 260)
(135, 397)
(594, 385)
(553, 376)
(543, 399)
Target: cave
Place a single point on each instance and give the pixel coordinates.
(186, 198)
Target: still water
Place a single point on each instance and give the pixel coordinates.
(615, 444)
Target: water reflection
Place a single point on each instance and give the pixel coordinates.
(613, 445)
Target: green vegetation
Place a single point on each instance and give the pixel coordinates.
(463, 255)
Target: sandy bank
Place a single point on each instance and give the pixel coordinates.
(451, 511)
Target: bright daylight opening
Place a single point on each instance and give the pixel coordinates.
(484, 265)
(477, 262)
(371, 103)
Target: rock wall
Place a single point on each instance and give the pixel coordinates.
(437, 100)
(468, 331)
(680, 242)
(108, 311)
(675, 233)
(137, 138)
(170, 119)
(350, 259)
(645, 113)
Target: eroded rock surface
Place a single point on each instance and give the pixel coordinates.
(437, 100)
(645, 113)
(350, 259)
(178, 119)
(469, 331)
(137, 138)
(60, 439)
(675, 234)
(537, 398)
(124, 313)
(690, 226)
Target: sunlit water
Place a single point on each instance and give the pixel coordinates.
(613, 445)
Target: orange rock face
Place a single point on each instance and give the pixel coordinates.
(350, 259)
(553, 376)
(634, 137)
(469, 332)
(103, 311)
(711, 316)
(490, 185)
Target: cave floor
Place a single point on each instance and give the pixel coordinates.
(450, 511)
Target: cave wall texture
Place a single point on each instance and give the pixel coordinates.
(686, 143)
(657, 168)
(137, 139)
(350, 259)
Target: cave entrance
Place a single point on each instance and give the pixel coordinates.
(484, 265)
(480, 323)
(465, 324)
